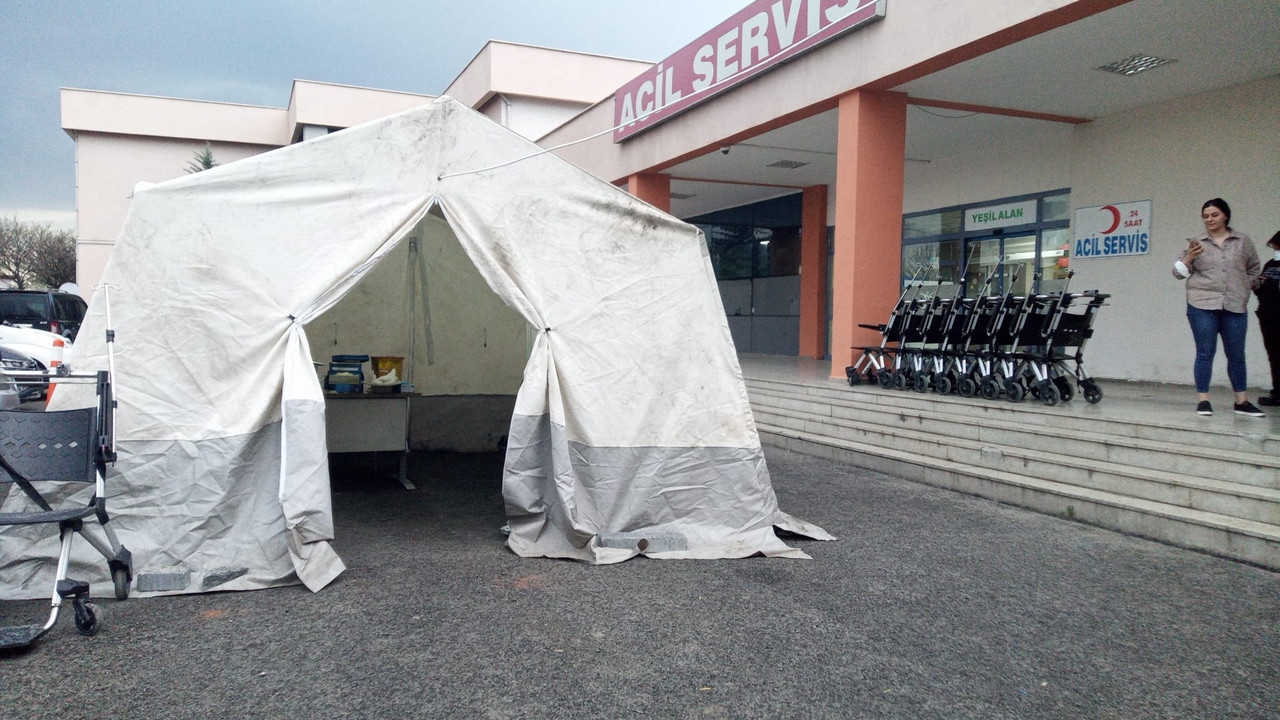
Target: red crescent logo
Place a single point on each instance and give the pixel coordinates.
(1115, 219)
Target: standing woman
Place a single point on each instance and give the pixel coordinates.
(1268, 293)
(1220, 266)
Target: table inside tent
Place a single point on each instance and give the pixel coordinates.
(370, 422)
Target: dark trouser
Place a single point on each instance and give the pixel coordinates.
(1269, 323)
(1206, 326)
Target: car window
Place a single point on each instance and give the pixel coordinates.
(22, 307)
(70, 308)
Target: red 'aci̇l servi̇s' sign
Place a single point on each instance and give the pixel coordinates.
(758, 37)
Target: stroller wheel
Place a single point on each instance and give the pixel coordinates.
(967, 387)
(942, 385)
(885, 378)
(921, 382)
(990, 388)
(1014, 391)
(1048, 393)
(1065, 391)
(1091, 391)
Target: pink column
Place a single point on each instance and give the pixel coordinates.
(653, 188)
(813, 272)
(868, 236)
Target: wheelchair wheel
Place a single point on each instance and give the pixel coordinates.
(967, 387)
(899, 380)
(1014, 391)
(1091, 391)
(990, 388)
(921, 383)
(1048, 393)
(87, 620)
(885, 378)
(1065, 390)
(942, 385)
(120, 578)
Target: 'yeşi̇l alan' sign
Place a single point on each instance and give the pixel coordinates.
(759, 37)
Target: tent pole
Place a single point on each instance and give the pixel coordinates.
(413, 304)
(408, 400)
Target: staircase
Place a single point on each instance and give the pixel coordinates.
(1212, 486)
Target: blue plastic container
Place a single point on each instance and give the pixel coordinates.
(353, 364)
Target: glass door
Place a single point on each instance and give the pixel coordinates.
(986, 253)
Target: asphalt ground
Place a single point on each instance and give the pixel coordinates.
(931, 604)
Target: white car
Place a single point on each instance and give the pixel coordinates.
(10, 396)
(38, 345)
(33, 343)
(24, 374)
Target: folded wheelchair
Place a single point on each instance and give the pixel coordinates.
(49, 450)
(991, 345)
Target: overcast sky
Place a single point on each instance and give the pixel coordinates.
(250, 51)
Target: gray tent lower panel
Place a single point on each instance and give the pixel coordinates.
(197, 516)
(205, 516)
(605, 505)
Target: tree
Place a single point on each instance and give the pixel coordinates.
(54, 262)
(16, 251)
(202, 160)
(32, 254)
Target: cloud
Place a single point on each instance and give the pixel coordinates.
(56, 219)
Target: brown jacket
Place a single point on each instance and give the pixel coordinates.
(1221, 278)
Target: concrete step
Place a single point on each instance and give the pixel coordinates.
(1217, 533)
(1201, 493)
(1101, 442)
(1233, 434)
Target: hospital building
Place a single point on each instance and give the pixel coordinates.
(832, 149)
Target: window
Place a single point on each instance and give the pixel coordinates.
(935, 245)
(731, 248)
(754, 241)
(1056, 208)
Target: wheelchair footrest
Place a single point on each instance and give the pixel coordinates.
(18, 636)
(73, 588)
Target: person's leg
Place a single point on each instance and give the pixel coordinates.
(1270, 326)
(1233, 327)
(1204, 328)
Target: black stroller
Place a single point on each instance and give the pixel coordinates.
(65, 446)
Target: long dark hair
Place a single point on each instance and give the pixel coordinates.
(1221, 205)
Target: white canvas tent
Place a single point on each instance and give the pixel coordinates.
(632, 431)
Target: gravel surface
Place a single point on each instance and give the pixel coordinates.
(931, 604)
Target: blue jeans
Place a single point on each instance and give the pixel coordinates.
(1206, 326)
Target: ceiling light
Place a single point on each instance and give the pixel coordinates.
(787, 164)
(681, 196)
(1134, 64)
